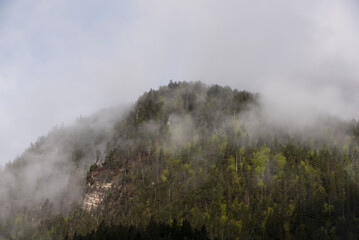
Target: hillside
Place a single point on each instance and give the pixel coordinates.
(186, 161)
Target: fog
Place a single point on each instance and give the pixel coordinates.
(49, 178)
(51, 173)
(62, 59)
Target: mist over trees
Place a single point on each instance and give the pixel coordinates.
(206, 161)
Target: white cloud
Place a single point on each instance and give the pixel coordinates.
(65, 58)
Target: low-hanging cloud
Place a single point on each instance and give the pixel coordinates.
(53, 170)
(62, 58)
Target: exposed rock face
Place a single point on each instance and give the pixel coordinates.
(92, 200)
(96, 191)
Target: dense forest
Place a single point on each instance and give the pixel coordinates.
(191, 161)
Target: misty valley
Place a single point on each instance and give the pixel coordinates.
(187, 161)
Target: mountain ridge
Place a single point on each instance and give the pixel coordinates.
(187, 151)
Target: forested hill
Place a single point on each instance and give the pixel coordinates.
(187, 161)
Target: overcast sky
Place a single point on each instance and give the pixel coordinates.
(60, 59)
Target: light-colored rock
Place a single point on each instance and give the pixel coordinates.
(95, 195)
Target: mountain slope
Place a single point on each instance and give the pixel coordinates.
(197, 154)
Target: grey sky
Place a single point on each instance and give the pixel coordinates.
(60, 59)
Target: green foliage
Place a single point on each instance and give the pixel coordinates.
(220, 182)
(154, 230)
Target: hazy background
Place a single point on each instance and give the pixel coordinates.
(61, 59)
